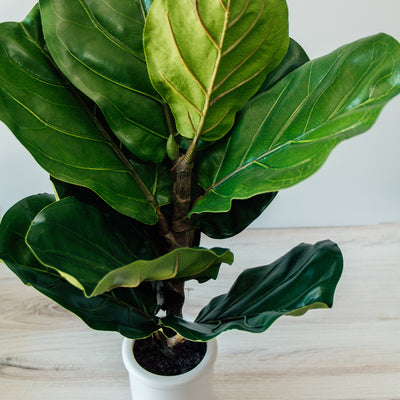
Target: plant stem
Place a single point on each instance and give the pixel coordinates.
(182, 190)
(191, 151)
(167, 345)
(172, 291)
(115, 145)
(165, 230)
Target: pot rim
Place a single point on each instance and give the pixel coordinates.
(165, 382)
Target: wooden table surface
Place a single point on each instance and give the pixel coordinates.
(351, 352)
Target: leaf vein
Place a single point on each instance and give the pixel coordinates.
(179, 93)
(51, 126)
(106, 77)
(240, 15)
(247, 32)
(214, 42)
(104, 32)
(238, 66)
(192, 74)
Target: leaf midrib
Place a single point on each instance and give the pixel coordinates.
(210, 89)
(48, 125)
(282, 130)
(269, 152)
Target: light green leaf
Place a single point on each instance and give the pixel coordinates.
(303, 279)
(50, 118)
(128, 311)
(284, 135)
(98, 46)
(208, 57)
(96, 252)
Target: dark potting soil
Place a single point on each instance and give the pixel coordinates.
(149, 356)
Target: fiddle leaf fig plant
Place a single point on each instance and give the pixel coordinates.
(159, 121)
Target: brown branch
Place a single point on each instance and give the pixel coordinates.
(182, 232)
(165, 231)
(182, 227)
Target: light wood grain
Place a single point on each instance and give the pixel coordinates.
(351, 352)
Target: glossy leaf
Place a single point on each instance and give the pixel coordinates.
(303, 279)
(239, 217)
(14, 226)
(149, 233)
(128, 311)
(50, 118)
(284, 135)
(244, 212)
(98, 46)
(208, 57)
(96, 255)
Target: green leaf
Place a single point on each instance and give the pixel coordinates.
(149, 234)
(238, 218)
(14, 225)
(49, 117)
(128, 311)
(294, 58)
(155, 177)
(98, 46)
(96, 254)
(303, 279)
(284, 135)
(244, 212)
(208, 57)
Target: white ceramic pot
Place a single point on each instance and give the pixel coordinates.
(194, 385)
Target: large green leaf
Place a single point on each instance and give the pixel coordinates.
(303, 279)
(98, 46)
(96, 253)
(128, 311)
(284, 135)
(149, 234)
(208, 57)
(243, 212)
(51, 120)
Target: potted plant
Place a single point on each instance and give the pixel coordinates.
(159, 121)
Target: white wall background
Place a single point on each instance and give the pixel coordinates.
(360, 182)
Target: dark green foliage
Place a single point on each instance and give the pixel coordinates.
(303, 279)
(128, 311)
